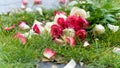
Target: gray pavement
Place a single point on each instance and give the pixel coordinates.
(11, 5)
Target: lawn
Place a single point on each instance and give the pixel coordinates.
(14, 54)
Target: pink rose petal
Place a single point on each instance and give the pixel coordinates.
(20, 37)
(71, 41)
(48, 53)
(62, 1)
(9, 28)
(23, 25)
(59, 41)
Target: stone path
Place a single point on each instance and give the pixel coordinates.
(10, 5)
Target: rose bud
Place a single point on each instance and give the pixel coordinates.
(9, 28)
(23, 25)
(71, 64)
(98, 29)
(20, 37)
(37, 1)
(113, 27)
(48, 53)
(70, 40)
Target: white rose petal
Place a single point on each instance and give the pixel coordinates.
(28, 10)
(86, 44)
(98, 29)
(113, 27)
(39, 10)
(116, 50)
(71, 64)
(79, 12)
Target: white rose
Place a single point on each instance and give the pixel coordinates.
(68, 32)
(48, 26)
(113, 27)
(98, 29)
(59, 16)
(79, 12)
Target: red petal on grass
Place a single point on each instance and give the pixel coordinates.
(9, 28)
(71, 41)
(36, 29)
(37, 1)
(23, 25)
(20, 37)
(48, 53)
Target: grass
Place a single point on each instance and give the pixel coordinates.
(13, 54)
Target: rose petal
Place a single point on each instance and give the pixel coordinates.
(20, 37)
(113, 27)
(9, 28)
(59, 41)
(23, 25)
(71, 41)
(48, 53)
(116, 50)
(23, 6)
(39, 10)
(86, 43)
(71, 64)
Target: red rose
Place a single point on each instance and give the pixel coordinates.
(81, 33)
(56, 31)
(74, 22)
(62, 23)
(83, 21)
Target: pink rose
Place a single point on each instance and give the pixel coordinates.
(37, 1)
(24, 2)
(84, 22)
(56, 31)
(81, 33)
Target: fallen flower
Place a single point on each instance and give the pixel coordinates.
(20, 37)
(37, 27)
(71, 64)
(116, 50)
(9, 28)
(98, 29)
(23, 25)
(86, 44)
(48, 53)
(113, 27)
(70, 40)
